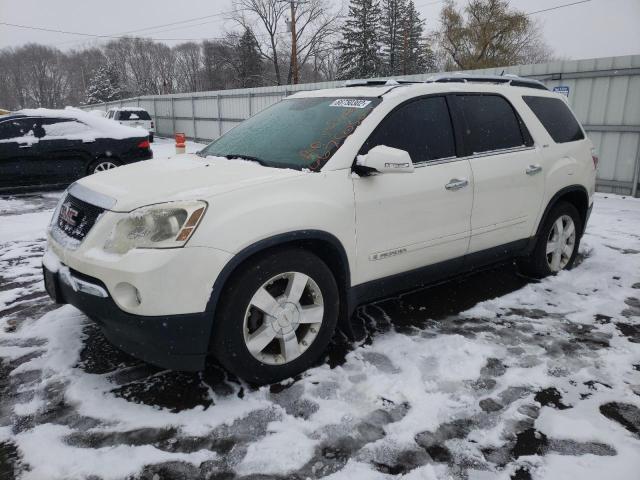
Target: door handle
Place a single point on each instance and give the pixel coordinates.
(533, 169)
(456, 183)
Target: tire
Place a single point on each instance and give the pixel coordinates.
(544, 260)
(101, 164)
(151, 138)
(239, 324)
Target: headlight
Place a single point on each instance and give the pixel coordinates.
(165, 225)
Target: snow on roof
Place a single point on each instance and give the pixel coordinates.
(128, 109)
(105, 127)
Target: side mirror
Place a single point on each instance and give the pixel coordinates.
(383, 159)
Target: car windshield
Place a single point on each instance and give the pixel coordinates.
(294, 133)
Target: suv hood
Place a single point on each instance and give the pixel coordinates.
(184, 177)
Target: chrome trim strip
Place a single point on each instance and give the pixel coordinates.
(499, 152)
(94, 198)
(440, 161)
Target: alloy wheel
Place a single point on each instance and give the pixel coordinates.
(103, 166)
(283, 318)
(561, 243)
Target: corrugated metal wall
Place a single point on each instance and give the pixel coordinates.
(604, 93)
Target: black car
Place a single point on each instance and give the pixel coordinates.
(56, 148)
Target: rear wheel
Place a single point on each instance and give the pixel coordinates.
(276, 316)
(102, 165)
(557, 245)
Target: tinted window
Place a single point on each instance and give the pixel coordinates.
(490, 123)
(15, 129)
(556, 118)
(56, 128)
(422, 128)
(133, 115)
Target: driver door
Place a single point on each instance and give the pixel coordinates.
(18, 153)
(405, 221)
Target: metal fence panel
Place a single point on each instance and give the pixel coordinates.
(603, 92)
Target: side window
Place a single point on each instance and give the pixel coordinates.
(54, 128)
(422, 128)
(556, 118)
(490, 124)
(15, 130)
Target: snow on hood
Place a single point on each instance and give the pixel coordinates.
(104, 127)
(183, 177)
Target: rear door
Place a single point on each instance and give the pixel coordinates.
(18, 153)
(405, 221)
(64, 149)
(507, 172)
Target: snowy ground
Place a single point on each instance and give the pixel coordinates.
(488, 377)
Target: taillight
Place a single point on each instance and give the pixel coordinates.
(594, 157)
(144, 144)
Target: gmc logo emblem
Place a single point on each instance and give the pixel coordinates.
(68, 214)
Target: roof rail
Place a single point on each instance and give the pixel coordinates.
(508, 79)
(375, 82)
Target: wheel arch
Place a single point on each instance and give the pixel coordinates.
(574, 194)
(323, 244)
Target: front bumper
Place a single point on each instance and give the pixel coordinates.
(176, 342)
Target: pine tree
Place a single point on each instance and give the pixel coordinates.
(417, 56)
(249, 61)
(103, 86)
(360, 48)
(393, 22)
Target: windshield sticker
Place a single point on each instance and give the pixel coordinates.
(350, 103)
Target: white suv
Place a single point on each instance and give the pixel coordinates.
(133, 117)
(255, 249)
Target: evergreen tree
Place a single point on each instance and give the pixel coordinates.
(417, 56)
(249, 61)
(360, 48)
(394, 13)
(103, 86)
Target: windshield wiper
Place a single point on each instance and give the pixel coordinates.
(231, 156)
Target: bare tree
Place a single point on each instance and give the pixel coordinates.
(317, 25)
(267, 16)
(488, 33)
(189, 60)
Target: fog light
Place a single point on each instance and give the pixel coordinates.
(127, 295)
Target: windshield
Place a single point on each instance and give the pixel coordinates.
(294, 133)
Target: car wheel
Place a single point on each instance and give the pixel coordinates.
(151, 138)
(276, 316)
(557, 246)
(102, 165)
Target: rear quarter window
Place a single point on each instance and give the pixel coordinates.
(556, 118)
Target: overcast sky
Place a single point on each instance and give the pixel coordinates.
(597, 28)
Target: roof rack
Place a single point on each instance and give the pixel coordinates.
(374, 82)
(508, 79)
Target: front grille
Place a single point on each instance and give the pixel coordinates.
(76, 217)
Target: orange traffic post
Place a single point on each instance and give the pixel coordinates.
(180, 142)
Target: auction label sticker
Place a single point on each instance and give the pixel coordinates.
(350, 103)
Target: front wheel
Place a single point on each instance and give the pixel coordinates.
(557, 245)
(276, 316)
